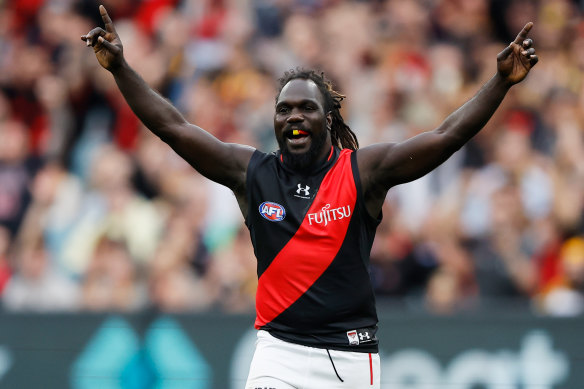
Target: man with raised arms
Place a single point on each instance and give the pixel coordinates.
(312, 209)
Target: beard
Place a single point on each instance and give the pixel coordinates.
(304, 161)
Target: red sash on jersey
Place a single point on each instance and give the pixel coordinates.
(314, 246)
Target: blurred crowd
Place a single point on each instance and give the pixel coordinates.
(97, 214)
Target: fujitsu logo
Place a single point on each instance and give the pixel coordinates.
(327, 214)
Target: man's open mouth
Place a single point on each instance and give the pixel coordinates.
(297, 134)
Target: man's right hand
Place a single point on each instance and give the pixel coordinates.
(106, 43)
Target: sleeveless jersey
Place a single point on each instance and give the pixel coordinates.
(312, 238)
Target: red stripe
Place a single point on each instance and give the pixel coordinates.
(371, 368)
(331, 153)
(312, 249)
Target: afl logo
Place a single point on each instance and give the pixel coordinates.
(274, 212)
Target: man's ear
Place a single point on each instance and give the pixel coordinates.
(329, 120)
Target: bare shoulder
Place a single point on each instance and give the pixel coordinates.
(370, 160)
(371, 163)
(240, 153)
(236, 158)
(222, 162)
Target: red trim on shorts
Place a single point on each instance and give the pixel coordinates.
(371, 368)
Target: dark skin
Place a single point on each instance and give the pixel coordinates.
(300, 106)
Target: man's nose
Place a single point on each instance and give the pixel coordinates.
(295, 116)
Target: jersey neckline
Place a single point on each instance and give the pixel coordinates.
(318, 167)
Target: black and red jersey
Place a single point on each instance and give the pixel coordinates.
(312, 237)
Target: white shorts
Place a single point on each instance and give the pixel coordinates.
(278, 364)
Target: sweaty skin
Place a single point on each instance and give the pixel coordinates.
(381, 166)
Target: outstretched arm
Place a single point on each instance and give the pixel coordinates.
(222, 162)
(382, 166)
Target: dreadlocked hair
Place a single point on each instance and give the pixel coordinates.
(341, 134)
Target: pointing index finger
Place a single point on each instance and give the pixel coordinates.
(523, 33)
(109, 25)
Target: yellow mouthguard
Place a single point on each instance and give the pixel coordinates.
(295, 132)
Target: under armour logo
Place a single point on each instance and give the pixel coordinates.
(304, 191)
(364, 335)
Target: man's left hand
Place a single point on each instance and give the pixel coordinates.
(517, 59)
